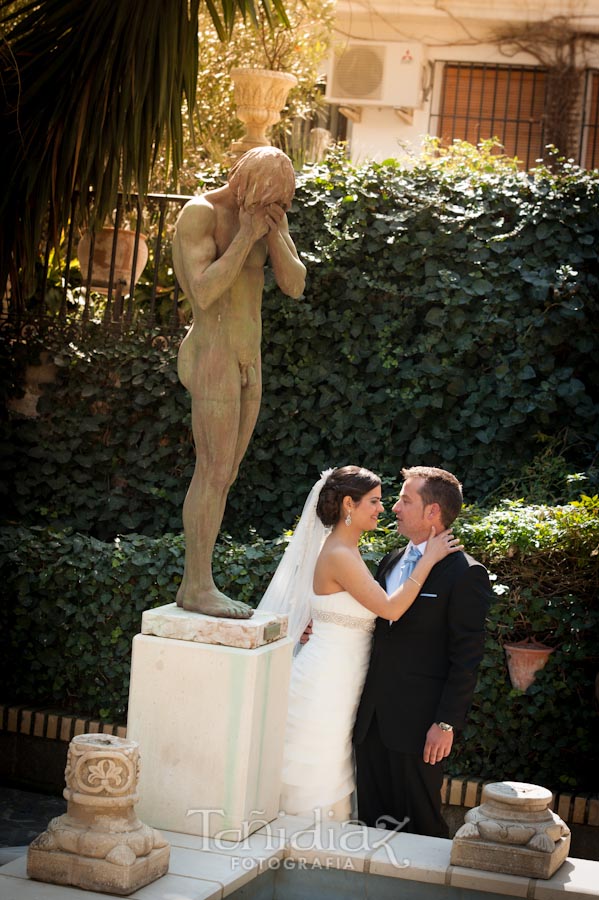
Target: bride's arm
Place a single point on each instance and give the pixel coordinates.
(351, 572)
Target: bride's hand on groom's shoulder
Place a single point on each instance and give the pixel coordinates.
(441, 545)
(307, 632)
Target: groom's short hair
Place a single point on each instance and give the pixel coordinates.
(439, 487)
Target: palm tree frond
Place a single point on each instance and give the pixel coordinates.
(89, 93)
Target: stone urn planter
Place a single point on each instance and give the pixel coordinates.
(260, 95)
(102, 256)
(524, 659)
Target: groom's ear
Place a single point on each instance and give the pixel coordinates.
(433, 511)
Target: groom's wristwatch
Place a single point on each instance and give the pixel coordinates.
(444, 726)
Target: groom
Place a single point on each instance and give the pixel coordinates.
(422, 672)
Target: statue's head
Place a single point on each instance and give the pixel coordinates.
(262, 176)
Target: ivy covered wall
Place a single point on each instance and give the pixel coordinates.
(450, 317)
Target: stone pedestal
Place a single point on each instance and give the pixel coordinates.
(99, 844)
(171, 621)
(210, 720)
(512, 831)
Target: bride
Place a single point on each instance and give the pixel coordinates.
(323, 577)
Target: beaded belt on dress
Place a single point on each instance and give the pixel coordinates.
(346, 621)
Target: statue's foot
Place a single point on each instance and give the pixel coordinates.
(213, 603)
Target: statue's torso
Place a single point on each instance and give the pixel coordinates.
(232, 324)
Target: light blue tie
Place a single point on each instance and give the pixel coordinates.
(409, 563)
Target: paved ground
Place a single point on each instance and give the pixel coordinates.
(23, 815)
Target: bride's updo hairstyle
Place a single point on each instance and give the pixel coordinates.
(348, 481)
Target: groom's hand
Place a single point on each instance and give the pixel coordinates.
(437, 745)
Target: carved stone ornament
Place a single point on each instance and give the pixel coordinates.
(99, 843)
(512, 831)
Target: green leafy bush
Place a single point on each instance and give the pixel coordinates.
(112, 450)
(78, 604)
(450, 318)
(545, 568)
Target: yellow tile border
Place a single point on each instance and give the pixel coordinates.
(472, 792)
(563, 807)
(456, 790)
(52, 726)
(65, 724)
(581, 809)
(580, 805)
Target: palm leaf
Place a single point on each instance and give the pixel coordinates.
(91, 89)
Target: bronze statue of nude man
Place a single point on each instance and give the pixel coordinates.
(220, 246)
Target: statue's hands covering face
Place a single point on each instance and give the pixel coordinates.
(275, 213)
(254, 220)
(261, 219)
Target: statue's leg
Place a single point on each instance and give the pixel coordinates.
(216, 413)
(251, 396)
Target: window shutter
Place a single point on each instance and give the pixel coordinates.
(479, 102)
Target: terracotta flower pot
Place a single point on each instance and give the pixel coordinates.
(524, 659)
(123, 262)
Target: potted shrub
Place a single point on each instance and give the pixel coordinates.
(260, 89)
(260, 95)
(275, 60)
(527, 637)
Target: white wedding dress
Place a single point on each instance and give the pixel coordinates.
(326, 683)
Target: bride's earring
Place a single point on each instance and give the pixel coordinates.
(348, 519)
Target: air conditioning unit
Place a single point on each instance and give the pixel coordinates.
(376, 73)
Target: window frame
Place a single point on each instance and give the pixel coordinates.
(499, 121)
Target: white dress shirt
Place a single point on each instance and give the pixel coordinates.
(394, 577)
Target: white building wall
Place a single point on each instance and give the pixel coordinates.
(450, 30)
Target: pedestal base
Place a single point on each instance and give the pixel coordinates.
(210, 722)
(512, 831)
(58, 867)
(99, 843)
(509, 859)
(171, 621)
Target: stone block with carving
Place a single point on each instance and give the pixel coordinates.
(512, 831)
(99, 843)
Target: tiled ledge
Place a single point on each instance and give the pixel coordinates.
(290, 857)
(575, 809)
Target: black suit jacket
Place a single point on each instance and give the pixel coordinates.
(423, 667)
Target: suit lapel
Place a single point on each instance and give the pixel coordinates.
(386, 564)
